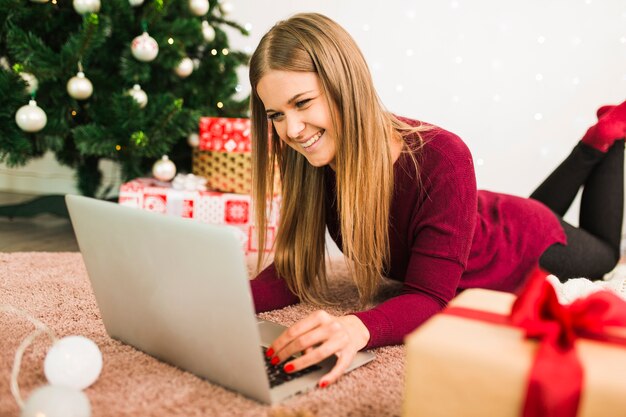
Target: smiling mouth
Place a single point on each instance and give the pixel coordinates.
(312, 140)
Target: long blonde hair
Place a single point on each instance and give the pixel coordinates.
(311, 42)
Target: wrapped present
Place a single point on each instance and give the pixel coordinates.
(205, 206)
(223, 155)
(492, 354)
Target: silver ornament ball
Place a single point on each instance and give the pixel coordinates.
(208, 33)
(193, 140)
(184, 68)
(30, 117)
(135, 3)
(199, 7)
(139, 95)
(164, 169)
(31, 82)
(144, 48)
(79, 87)
(86, 6)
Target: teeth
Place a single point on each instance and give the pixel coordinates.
(313, 139)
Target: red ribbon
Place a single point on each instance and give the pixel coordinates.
(556, 375)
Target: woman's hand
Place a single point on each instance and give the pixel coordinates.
(319, 336)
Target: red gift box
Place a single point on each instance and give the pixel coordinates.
(223, 134)
(205, 206)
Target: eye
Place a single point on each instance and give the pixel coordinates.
(302, 103)
(274, 116)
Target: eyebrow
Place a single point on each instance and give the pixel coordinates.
(291, 100)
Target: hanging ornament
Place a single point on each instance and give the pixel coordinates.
(31, 82)
(79, 87)
(144, 47)
(227, 7)
(30, 117)
(199, 7)
(135, 3)
(207, 31)
(184, 68)
(193, 140)
(139, 95)
(86, 6)
(164, 169)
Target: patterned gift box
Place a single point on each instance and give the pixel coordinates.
(223, 155)
(205, 206)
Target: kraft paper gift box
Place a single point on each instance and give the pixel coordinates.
(458, 366)
(205, 206)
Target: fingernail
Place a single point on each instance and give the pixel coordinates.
(323, 384)
(289, 367)
(275, 360)
(269, 353)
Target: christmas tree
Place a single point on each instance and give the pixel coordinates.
(125, 80)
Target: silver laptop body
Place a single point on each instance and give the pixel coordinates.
(178, 290)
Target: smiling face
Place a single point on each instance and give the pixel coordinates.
(297, 107)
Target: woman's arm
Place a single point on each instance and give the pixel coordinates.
(271, 292)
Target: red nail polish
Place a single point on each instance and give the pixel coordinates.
(289, 367)
(323, 384)
(275, 360)
(269, 353)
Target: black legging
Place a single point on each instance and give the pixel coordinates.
(592, 249)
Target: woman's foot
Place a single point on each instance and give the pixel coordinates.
(610, 127)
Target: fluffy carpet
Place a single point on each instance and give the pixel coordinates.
(54, 288)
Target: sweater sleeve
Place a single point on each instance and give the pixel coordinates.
(270, 292)
(440, 232)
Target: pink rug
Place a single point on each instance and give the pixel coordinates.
(54, 288)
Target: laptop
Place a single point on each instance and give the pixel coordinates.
(178, 289)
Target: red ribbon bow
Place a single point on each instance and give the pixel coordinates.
(556, 375)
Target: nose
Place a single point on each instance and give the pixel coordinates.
(295, 126)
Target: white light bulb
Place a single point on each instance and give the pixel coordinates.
(56, 401)
(73, 361)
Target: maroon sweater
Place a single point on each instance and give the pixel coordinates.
(445, 236)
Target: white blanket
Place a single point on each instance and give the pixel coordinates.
(574, 288)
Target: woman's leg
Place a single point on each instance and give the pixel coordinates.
(593, 249)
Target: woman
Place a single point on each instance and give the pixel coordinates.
(399, 197)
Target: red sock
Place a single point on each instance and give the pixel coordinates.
(610, 127)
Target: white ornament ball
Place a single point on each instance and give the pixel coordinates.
(4, 63)
(227, 7)
(199, 7)
(73, 361)
(31, 81)
(86, 6)
(30, 117)
(207, 31)
(79, 87)
(144, 47)
(139, 95)
(184, 68)
(56, 401)
(135, 3)
(164, 169)
(193, 140)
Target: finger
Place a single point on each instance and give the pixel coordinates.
(334, 345)
(306, 324)
(344, 360)
(316, 336)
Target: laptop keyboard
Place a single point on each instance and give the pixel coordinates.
(278, 376)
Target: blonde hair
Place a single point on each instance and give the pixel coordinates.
(311, 42)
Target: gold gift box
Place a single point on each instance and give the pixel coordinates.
(228, 172)
(460, 367)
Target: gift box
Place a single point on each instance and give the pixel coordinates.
(492, 354)
(223, 154)
(206, 206)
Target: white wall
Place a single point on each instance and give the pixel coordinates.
(518, 81)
